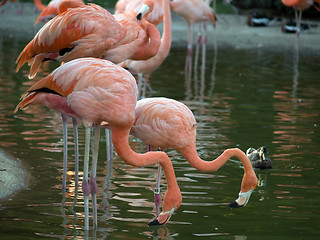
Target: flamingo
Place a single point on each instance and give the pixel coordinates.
(166, 123)
(145, 68)
(299, 6)
(90, 31)
(51, 10)
(97, 90)
(194, 11)
(155, 16)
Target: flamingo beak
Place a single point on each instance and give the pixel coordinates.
(144, 9)
(242, 200)
(162, 219)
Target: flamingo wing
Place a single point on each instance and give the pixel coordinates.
(85, 31)
(88, 86)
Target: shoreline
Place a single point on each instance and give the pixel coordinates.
(14, 177)
(231, 31)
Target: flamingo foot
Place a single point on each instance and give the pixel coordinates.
(162, 219)
(242, 200)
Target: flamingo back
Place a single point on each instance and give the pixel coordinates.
(96, 90)
(88, 31)
(164, 123)
(193, 11)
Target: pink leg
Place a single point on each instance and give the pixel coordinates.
(93, 183)
(197, 49)
(76, 152)
(85, 184)
(157, 196)
(188, 67)
(65, 152)
(204, 45)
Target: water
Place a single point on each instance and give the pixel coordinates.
(243, 99)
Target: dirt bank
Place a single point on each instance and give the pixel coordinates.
(231, 31)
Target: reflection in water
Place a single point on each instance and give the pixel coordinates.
(295, 68)
(286, 116)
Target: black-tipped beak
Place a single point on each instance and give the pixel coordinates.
(234, 205)
(154, 223)
(139, 16)
(157, 223)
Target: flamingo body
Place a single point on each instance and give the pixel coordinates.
(193, 11)
(167, 123)
(80, 85)
(90, 31)
(299, 4)
(164, 123)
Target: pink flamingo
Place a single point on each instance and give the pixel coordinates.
(166, 123)
(194, 11)
(90, 31)
(97, 90)
(299, 6)
(145, 68)
(155, 16)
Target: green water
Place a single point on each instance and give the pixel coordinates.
(243, 99)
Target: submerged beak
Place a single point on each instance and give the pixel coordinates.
(144, 9)
(242, 200)
(162, 219)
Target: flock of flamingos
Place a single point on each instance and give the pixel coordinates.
(94, 87)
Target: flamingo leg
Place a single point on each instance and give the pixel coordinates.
(204, 45)
(144, 85)
(76, 153)
(157, 196)
(140, 80)
(298, 15)
(65, 151)
(93, 183)
(189, 53)
(197, 49)
(85, 184)
(109, 146)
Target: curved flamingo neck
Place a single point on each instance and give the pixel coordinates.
(249, 179)
(208, 166)
(166, 35)
(123, 149)
(152, 43)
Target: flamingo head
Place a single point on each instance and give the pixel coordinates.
(146, 8)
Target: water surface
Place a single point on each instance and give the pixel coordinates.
(242, 99)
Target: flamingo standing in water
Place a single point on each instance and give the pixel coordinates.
(97, 90)
(90, 31)
(166, 123)
(299, 6)
(194, 11)
(144, 68)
